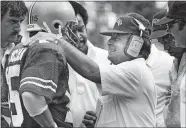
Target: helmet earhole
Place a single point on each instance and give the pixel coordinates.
(56, 25)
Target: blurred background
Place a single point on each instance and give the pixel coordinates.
(103, 14)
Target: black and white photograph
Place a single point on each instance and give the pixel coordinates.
(93, 64)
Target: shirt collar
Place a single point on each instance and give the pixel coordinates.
(152, 56)
(182, 65)
(9, 48)
(141, 60)
(91, 52)
(179, 69)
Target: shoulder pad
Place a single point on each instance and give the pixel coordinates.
(43, 44)
(18, 53)
(20, 45)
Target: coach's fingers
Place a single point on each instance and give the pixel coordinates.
(88, 122)
(90, 117)
(91, 113)
(89, 126)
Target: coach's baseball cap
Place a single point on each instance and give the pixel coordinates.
(126, 25)
(175, 10)
(158, 30)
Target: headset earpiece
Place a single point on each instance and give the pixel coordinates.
(134, 46)
(135, 42)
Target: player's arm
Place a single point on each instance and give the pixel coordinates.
(39, 83)
(38, 109)
(77, 60)
(80, 62)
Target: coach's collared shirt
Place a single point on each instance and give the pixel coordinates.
(183, 102)
(84, 93)
(177, 105)
(182, 68)
(129, 95)
(160, 64)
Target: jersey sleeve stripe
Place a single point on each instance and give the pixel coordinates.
(4, 105)
(40, 85)
(47, 92)
(39, 80)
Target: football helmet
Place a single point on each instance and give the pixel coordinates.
(48, 16)
(51, 14)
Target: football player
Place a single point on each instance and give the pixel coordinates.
(12, 15)
(37, 74)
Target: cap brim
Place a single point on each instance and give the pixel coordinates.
(157, 34)
(164, 20)
(110, 32)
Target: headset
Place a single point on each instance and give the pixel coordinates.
(135, 42)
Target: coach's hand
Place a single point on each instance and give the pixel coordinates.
(44, 36)
(89, 119)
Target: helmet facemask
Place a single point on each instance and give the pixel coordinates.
(69, 32)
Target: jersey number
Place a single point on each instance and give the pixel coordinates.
(14, 97)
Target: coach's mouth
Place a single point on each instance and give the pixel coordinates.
(111, 49)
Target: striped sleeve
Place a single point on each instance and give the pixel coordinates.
(39, 85)
(41, 73)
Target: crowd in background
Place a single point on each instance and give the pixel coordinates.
(102, 15)
(65, 71)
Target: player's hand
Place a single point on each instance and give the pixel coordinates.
(89, 119)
